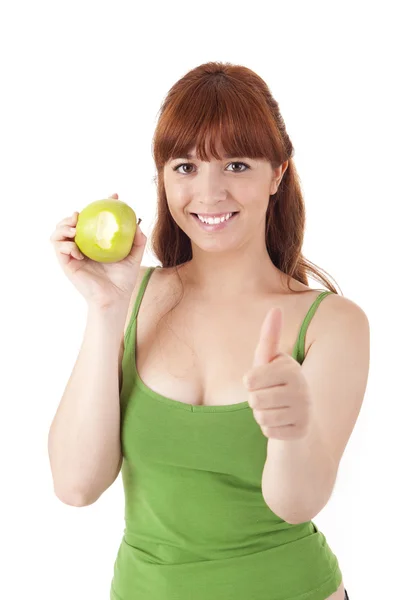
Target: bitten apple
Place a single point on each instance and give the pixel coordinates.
(105, 230)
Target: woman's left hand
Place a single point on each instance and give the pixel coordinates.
(279, 393)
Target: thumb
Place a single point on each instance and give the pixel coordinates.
(139, 244)
(268, 346)
(140, 239)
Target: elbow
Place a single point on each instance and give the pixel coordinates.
(299, 508)
(294, 518)
(297, 519)
(77, 500)
(294, 515)
(77, 496)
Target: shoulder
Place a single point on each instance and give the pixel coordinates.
(142, 272)
(337, 317)
(343, 319)
(339, 309)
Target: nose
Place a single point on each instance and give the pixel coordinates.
(210, 187)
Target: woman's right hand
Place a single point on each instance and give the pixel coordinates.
(101, 284)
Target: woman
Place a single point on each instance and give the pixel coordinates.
(236, 397)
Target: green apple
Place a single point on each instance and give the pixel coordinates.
(105, 230)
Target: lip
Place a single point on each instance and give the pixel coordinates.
(216, 226)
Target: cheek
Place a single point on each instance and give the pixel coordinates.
(177, 205)
(251, 195)
(179, 201)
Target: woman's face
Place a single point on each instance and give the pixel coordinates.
(233, 184)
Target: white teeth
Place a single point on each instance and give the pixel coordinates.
(216, 220)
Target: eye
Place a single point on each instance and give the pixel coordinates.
(182, 165)
(240, 163)
(191, 165)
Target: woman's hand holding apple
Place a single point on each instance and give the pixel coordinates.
(102, 284)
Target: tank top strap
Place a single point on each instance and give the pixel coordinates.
(299, 349)
(300, 342)
(141, 291)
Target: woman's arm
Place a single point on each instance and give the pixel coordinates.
(299, 475)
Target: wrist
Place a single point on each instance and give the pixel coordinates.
(113, 314)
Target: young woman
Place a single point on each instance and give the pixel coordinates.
(239, 385)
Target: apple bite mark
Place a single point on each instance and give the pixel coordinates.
(106, 227)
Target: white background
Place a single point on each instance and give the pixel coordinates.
(81, 86)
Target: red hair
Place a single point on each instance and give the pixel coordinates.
(231, 103)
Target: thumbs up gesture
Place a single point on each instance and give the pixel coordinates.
(279, 393)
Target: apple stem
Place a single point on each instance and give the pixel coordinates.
(140, 220)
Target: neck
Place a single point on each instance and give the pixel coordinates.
(214, 277)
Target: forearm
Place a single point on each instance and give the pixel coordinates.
(298, 476)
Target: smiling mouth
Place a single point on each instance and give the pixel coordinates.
(235, 212)
(218, 225)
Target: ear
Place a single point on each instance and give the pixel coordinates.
(278, 174)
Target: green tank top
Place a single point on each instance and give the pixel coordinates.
(196, 524)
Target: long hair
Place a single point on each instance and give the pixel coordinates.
(231, 103)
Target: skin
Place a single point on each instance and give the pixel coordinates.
(222, 260)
